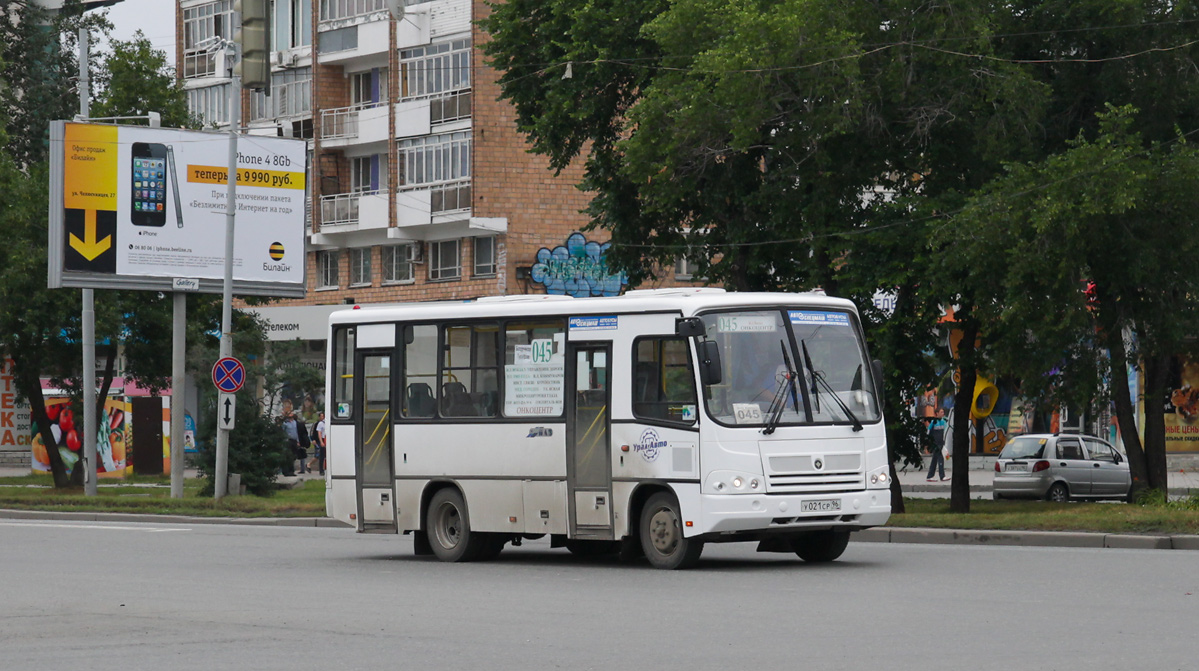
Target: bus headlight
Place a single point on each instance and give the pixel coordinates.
(878, 478)
(729, 482)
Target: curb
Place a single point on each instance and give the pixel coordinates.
(1068, 539)
(916, 535)
(171, 519)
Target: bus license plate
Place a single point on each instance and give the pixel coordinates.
(820, 506)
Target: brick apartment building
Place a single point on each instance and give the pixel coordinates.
(421, 188)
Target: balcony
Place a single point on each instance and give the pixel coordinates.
(348, 212)
(359, 124)
(340, 123)
(357, 46)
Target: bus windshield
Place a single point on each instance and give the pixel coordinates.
(789, 366)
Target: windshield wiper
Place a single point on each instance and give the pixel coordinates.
(779, 402)
(818, 378)
(807, 360)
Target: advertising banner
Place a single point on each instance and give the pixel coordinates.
(137, 207)
(111, 440)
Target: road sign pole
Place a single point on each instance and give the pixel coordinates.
(222, 435)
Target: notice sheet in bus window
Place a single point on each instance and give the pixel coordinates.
(534, 382)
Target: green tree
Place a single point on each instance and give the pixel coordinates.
(761, 138)
(1113, 213)
(137, 79)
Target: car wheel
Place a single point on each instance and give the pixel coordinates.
(1058, 493)
(447, 525)
(819, 547)
(662, 534)
(996, 496)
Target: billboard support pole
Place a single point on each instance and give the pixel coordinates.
(89, 318)
(222, 435)
(178, 383)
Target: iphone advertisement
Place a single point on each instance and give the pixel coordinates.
(142, 207)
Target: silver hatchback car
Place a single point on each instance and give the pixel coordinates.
(1060, 467)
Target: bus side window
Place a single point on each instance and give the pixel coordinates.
(534, 365)
(343, 373)
(470, 375)
(663, 380)
(420, 370)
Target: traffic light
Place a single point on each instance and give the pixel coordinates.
(254, 36)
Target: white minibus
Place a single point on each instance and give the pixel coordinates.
(647, 424)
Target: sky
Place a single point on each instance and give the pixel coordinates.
(155, 18)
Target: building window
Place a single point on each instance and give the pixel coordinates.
(341, 39)
(291, 95)
(368, 174)
(444, 260)
(213, 19)
(398, 263)
(360, 266)
(331, 10)
(210, 103)
(293, 24)
(434, 69)
(684, 269)
(484, 256)
(450, 107)
(326, 270)
(435, 159)
(368, 89)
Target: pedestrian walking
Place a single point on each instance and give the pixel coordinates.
(937, 433)
(293, 441)
(318, 444)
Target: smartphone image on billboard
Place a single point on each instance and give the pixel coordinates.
(148, 204)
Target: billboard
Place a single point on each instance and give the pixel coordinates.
(133, 207)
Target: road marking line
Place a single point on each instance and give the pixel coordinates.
(84, 526)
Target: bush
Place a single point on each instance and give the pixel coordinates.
(257, 447)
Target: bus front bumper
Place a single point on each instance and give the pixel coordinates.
(723, 513)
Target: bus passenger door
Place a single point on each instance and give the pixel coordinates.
(588, 443)
(372, 444)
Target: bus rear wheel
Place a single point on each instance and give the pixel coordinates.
(820, 546)
(447, 526)
(662, 535)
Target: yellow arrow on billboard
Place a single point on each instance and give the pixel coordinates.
(89, 247)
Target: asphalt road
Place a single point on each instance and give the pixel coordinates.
(130, 596)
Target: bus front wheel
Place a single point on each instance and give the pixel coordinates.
(662, 534)
(448, 528)
(820, 546)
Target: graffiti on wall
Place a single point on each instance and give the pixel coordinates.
(577, 269)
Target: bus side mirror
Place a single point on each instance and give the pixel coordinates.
(877, 367)
(709, 362)
(690, 327)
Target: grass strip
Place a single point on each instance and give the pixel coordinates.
(126, 497)
(1133, 518)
